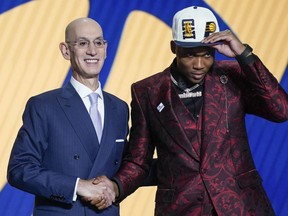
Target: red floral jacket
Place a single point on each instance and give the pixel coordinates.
(219, 175)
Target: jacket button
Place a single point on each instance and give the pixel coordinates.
(116, 162)
(76, 157)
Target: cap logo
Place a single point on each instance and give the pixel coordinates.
(210, 28)
(188, 28)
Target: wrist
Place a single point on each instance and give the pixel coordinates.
(246, 56)
(116, 189)
(79, 187)
(246, 52)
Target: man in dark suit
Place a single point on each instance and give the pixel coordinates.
(193, 113)
(58, 152)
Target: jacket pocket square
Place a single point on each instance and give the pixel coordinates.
(119, 140)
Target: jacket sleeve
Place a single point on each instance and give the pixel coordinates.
(25, 170)
(135, 169)
(264, 95)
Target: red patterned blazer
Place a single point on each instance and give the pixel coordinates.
(218, 175)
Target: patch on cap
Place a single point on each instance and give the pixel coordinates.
(210, 28)
(188, 29)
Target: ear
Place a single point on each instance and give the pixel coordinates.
(64, 48)
(106, 49)
(173, 46)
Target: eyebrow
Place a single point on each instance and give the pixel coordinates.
(84, 38)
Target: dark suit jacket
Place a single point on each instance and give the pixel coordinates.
(57, 143)
(220, 172)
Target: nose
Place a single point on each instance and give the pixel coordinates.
(198, 63)
(91, 50)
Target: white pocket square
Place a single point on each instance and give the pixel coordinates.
(119, 140)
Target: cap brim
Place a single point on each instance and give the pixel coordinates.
(195, 44)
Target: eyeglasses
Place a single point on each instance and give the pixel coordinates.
(84, 44)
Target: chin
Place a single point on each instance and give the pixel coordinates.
(196, 81)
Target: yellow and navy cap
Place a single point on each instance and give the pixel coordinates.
(191, 25)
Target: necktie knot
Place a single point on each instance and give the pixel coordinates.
(93, 97)
(95, 114)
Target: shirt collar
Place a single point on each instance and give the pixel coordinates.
(83, 90)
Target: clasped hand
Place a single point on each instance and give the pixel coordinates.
(98, 192)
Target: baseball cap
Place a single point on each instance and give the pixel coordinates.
(193, 24)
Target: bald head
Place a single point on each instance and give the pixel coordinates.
(81, 26)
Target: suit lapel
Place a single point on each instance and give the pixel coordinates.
(80, 120)
(214, 111)
(171, 112)
(107, 144)
(108, 121)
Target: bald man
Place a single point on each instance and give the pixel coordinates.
(60, 148)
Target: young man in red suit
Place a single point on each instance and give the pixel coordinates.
(193, 113)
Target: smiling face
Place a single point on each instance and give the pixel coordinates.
(193, 63)
(84, 49)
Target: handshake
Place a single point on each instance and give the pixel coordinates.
(99, 192)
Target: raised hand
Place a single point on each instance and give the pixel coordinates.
(228, 45)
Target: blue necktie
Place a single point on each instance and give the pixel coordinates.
(95, 114)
